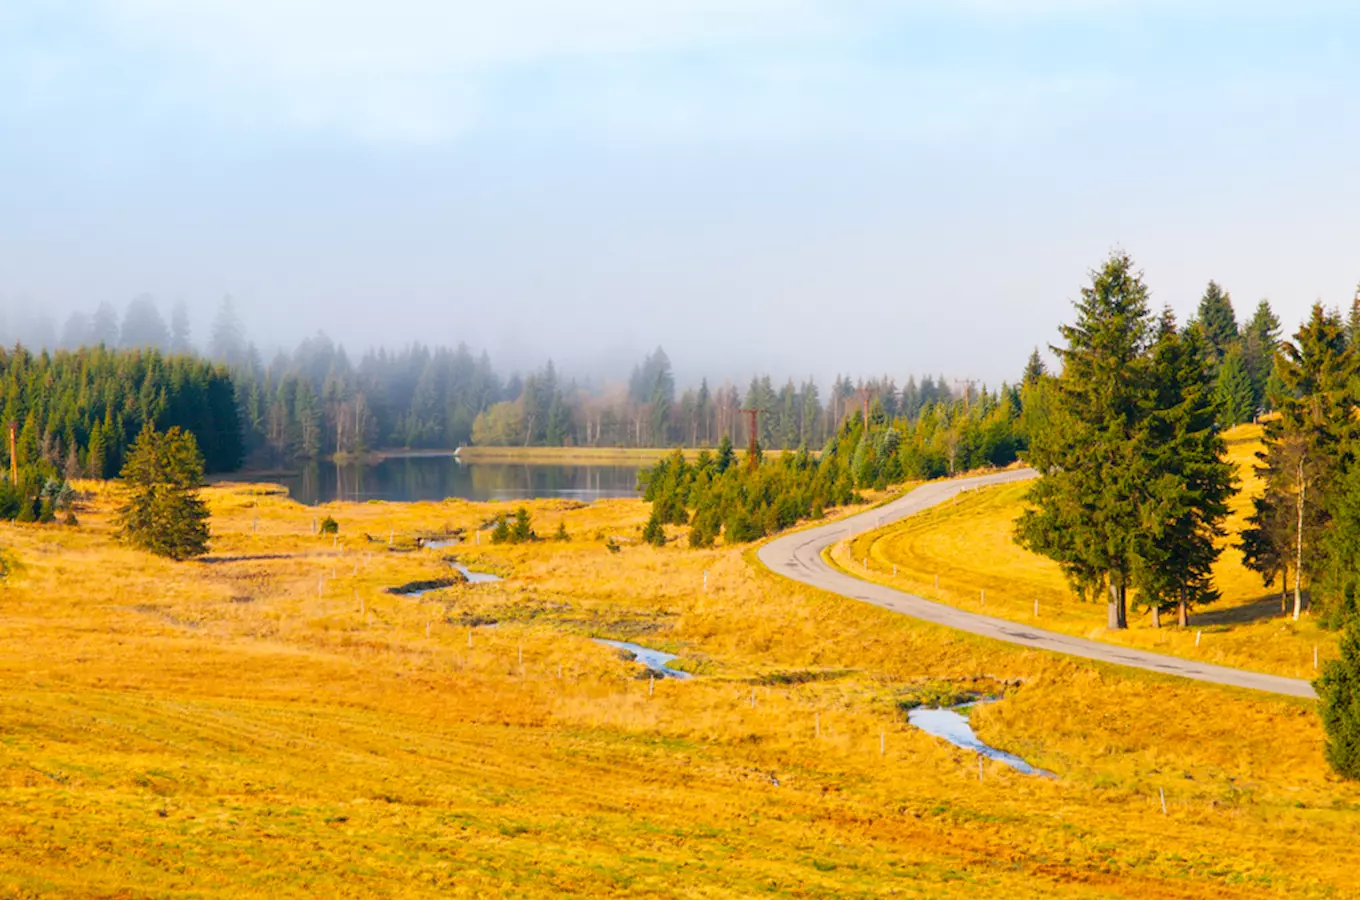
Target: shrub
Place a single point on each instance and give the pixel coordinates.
(1338, 690)
(501, 533)
(330, 526)
(561, 533)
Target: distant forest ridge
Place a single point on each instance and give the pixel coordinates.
(316, 402)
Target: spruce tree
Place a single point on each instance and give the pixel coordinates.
(1034, 369)
(1189, 480)
(1086, 509)
(1217, 320)
(1338, 690)
(1260, 340)
(1234, 394)
(163, 513)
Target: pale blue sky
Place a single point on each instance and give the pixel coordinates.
(806, 187)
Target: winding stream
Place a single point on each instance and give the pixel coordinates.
(953, 727)
(653, 659)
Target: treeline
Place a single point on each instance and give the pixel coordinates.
(78, 412)
(316, 401)
(748, 498)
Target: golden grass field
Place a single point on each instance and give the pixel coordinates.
(968, 545)
(267, 722)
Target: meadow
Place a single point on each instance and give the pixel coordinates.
(964, 554)
(270, 721)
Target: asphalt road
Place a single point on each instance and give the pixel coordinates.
(799, 556)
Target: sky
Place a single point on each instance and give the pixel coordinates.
(804, 187)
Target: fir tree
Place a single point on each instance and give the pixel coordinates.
(163, 513)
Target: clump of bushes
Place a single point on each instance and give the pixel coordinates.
(518, 529)
(329, 526)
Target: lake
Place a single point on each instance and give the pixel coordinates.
(413, 478)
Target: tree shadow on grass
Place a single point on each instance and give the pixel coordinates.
(259, 557)
(1258, 610)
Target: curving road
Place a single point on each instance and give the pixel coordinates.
(799, 556)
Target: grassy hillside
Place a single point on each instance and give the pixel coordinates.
(969, 546)
(268, 722)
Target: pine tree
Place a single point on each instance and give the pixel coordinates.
(163, 513)
(1234, 394)
(1086, 508)
(1338, 690)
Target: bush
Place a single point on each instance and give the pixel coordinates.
(561, 533)
(501, 533)
(330, 526)
(1338, 690)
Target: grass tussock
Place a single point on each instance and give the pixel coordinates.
(271, 722)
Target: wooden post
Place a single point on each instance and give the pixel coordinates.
(883, 743)
(753, 698)
(1315, 657)
(651, 685)
(984, 596)
(469, 638)
(1197, 638)
(1162, 792)
(391, 536)
(937, 581)
(1036, 609)
(705, 580)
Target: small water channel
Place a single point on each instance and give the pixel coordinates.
(653, 659)
(953, 726)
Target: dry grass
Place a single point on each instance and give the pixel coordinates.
(224, 728)
(968, 545)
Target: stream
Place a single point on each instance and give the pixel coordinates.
(653, 659)
(953, 727)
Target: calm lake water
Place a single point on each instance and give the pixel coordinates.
(441, 477)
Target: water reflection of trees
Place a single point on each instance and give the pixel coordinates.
(438, 478)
